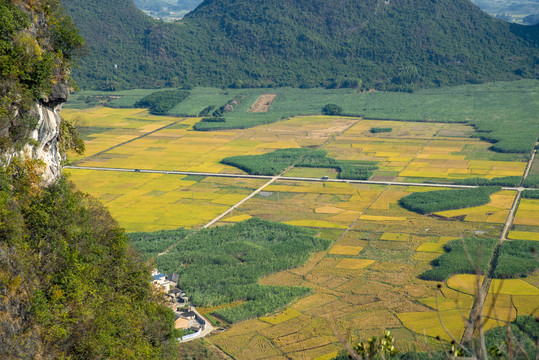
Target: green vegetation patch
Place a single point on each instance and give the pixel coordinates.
(516, 259)
(376, 130)
(223, 265)
(530, 194)
(532, 181)
(456, 259)
(332, 109)
(153, 243)
(512, 181)
(524, 330)
(277, 161)
(441, 200)
(161, 102)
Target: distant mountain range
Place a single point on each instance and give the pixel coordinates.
(385, 44)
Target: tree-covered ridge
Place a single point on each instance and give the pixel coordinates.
(277, 161)
(222, 265)
(32, 60)
(396, 45)
(70, 284)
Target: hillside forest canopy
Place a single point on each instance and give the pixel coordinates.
(399, 45)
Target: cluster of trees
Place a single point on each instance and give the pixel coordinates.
(440, 200)
(516, 258)
(530, 194)
(400, 45)
(332, 109)
(150, 244)
(532, 181)
(376, 130)
(512, 181)
(223, 265)
(161, 102)
(71, 285)
(277, 161)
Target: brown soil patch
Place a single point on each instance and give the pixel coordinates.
(263, 103)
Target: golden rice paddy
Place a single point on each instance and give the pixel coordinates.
(523, 235)
(345, 250)
(281, 317)
(360, 297)
(354, 264)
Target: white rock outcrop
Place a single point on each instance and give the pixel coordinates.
(46, 138)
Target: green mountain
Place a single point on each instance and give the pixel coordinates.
(392, 44)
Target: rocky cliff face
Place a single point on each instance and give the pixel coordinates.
(45, 145)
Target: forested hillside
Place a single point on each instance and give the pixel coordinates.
(393, 45)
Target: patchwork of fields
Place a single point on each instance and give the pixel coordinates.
(367, 280)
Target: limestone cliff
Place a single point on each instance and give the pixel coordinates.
(45, 135)
(37, 43)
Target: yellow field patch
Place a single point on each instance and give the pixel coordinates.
(354, 264)
(526, 304)
(259, 348)
(429, 323)
(345, 250)
(327, 356)
(528, 212)
(315, 223)
(283, 316)
(467, 284)
(395, 236)
(313, 301)
(283, 278)
(463, 302)
(328, 210)
(431, 247)
(382, 218)
(523, 235)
